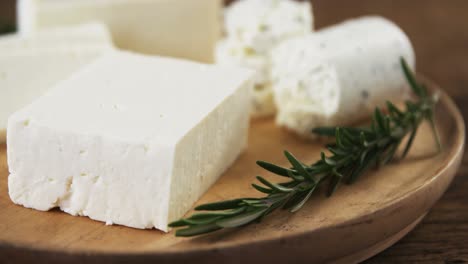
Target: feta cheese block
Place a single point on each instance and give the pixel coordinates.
(179, 28)
(131, 139)
(339, 74)
(29, 66)
(253, 28)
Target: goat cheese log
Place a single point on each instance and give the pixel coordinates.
(130, 139)
(253, 28)
(177, 28)
(339, 74)
(29, 66)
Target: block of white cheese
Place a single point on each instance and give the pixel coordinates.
(179, 28)
(86, 34)
(253, 28)
(130, 139)
(262, 24)
(339, 74)
(29, 66)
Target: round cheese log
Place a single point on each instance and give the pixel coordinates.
(338, 75)
(253, 28)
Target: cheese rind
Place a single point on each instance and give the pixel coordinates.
(253, 28)
(339, 74)
(130, 140)
(178, 28)
(29, 66)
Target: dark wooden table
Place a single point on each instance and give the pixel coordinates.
(439, 31)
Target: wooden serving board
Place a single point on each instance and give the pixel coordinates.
(356, 223)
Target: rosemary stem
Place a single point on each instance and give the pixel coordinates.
(355, 151)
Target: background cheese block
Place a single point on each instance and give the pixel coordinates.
(339, 74)
(131, 139)
(93, 33)
(179, 28)
(262, 24)
(253, 28)
(29, 66)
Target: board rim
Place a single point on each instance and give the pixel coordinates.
(449, 165)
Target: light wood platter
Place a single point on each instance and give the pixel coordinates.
(358, 222)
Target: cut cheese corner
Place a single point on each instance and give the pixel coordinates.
(132, 140)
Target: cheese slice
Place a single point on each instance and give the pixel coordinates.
(179, 28)
(339, 74)
(29, 66)
(131, 139)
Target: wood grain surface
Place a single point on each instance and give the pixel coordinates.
(439, 31)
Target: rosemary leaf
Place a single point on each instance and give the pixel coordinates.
(262, 189)
(243, 219)
(224, 205)
(280, 171)
(410, 143)
(417, 88)
(300, 204)
(273, 186)
(196, 230)
(298, 166)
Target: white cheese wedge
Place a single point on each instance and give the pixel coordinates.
(179, 28)
(253, 28)
(130, 139)
(339, 74)
(29, 66)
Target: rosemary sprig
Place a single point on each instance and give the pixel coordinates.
(355, 151)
